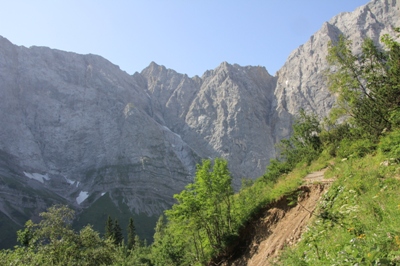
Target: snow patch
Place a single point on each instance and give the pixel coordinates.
(82, 196)
(102, 194)
(37, 177)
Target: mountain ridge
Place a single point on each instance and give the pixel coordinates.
(79, 127)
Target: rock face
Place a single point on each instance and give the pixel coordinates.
(75, 128)
(85, 125)
(301, 81)
(224, 113)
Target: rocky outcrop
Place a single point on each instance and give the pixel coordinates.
(76, 127)
(225, 113)
(302, 82)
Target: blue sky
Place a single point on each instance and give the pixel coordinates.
(187, 36)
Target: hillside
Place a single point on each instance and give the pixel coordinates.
(284, 217)
(353, 203)
(280, 224)
(77, 130)
(359, 215)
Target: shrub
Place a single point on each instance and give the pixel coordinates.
(355, 148)
(275, 169)
(390, 145)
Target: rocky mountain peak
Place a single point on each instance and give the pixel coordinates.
(78, 130)
(154, 69)
(301, 78)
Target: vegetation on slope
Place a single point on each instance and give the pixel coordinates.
(360, 214)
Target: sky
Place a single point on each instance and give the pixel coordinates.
(189, 36)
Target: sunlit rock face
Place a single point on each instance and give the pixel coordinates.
(75, 128)
(224, 113)
(302, 81)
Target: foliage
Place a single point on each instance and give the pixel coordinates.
(53, 242)
(206, 221)
(187, 238)
(367, 85)
(117, 233)
(355, 148)
(109, 229)
(304, 144)
(96, 214)
(168, 248)
(203, 214)
(55, 225)
(140, 254)
(131, 234)
(360, 213)
(275, 169)
(113, 231)
(389, 146)
(250, 199)
(333, 134)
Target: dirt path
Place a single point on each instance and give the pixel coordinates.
(288, 229)
(280, 224)
(317, 176)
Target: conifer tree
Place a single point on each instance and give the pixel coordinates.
(117, 233)
(109, 229)
(131, 234)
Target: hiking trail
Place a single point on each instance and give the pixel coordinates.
(280, 224)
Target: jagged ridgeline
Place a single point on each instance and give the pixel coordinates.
(77, 130)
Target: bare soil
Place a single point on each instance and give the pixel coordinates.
(279, 224)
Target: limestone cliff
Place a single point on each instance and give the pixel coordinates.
(302, 80)
(75, 129)
(224, 113)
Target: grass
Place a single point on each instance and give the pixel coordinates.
(251, 199)
(360, 215)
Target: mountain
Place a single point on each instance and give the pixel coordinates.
(224, 113)
(77, 130)
(302, 82)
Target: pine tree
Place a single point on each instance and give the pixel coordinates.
(160, 228)
(131, 234)
(117, 233)
(109, 230)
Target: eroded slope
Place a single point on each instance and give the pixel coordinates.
(279, 224)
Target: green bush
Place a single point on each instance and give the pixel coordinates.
(332, 137)
(305, 144)
(360, 214)
(355, 148)
(390, 145)
(275, 169)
